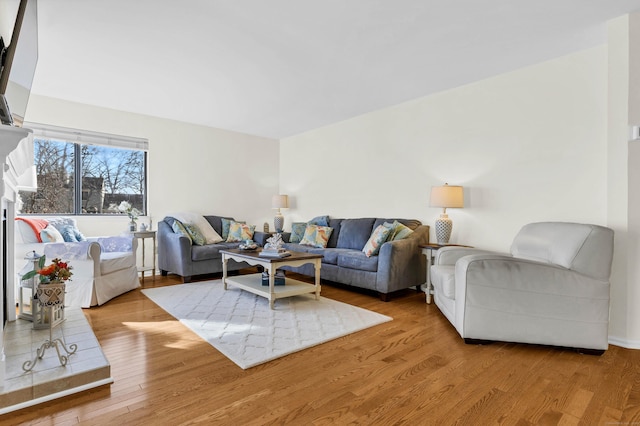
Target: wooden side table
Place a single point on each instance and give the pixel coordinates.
(143, 235)
(429, 250)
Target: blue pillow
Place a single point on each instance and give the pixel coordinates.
(297, 231)
(68, 233)
(320, 221)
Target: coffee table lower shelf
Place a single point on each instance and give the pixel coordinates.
(253, 284)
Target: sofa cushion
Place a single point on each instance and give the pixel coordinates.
(316, 236)
(331, 255)
(358, 260)
(333, 239)
(116, 261)
(298, 247)
(378, 237)
(354, 233)
(443, 279)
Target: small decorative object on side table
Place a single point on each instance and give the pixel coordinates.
(429, 251)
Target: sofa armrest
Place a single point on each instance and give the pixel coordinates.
(449, 255)
(122, 243)
(174, 251)
(80, 250)
(401, 263)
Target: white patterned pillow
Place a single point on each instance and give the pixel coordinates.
(316, 236)
(190, 218)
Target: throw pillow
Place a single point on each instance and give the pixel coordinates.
(320, 221)
(30, 228)
(316, 236)
(51, 235)
(378, 237)
(297, 231)
(68, 233)
(239, 231)
(206, 230)
(178, 228)
(226, 224)
(399, 231)
(196, 235)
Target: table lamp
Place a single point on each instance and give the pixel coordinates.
(279, 202)
(446, 196)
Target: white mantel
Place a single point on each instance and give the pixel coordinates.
(16, 158)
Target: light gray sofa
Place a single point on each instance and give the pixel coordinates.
(399, 264)
(552, 289)
(177, 255)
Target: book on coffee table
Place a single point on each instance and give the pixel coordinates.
(269, 253)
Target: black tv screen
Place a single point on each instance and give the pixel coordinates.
(20, 35)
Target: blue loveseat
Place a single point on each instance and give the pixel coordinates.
(177, 255)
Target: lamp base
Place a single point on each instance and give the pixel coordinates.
(444, 226)
(278, 222)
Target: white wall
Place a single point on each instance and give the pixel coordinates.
(196, 168)
(527, 146)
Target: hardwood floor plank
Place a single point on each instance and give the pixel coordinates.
(414, 370)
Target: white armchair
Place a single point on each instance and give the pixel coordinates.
(103, 267)
(552, 289)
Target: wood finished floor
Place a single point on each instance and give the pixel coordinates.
(414, 370)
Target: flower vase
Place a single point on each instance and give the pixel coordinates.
(51, 294)
(133, 226)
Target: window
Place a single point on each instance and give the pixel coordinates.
(109, 175)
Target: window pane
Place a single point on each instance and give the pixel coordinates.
(110, 176)
(54, 162)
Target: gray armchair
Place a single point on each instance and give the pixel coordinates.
(552, 289)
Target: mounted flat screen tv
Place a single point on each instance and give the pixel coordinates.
(19, 32)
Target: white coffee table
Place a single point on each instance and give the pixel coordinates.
(253, 282)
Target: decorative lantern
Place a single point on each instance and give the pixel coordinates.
(28, 306)
(27, 300)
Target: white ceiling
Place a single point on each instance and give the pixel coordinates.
(276, 68)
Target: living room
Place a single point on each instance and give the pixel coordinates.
(544, 141)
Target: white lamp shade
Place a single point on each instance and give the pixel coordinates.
(447, 196)
(280, 201)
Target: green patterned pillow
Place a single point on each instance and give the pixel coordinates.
(378, 237)
(400, 231)
(196, 235)
(239, 231)
(297, 231)
(178, 228)
(316, 236)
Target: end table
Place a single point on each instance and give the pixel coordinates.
(143, 235)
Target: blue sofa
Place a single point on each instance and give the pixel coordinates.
(399, 264)
(177, 255)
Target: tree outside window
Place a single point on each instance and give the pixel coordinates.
(109, 176)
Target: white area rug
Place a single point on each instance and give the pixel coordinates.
(243, 327)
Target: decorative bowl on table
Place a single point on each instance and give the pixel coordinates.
(248, 246)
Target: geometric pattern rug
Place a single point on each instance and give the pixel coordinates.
(241, 325)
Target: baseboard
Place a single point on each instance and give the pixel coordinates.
(625, 343)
